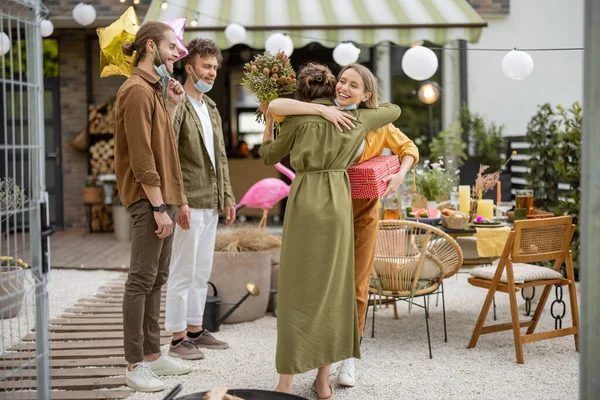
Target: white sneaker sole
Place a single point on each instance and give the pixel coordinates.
(199, 356)
(144, 388)
(179, 371)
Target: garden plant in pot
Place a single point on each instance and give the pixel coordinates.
(92, 191)
(433, 183)
(12, 286)
(243, 255)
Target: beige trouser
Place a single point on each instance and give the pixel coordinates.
(366, 225)
(148, 271)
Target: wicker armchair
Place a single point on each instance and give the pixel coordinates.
(412, 260)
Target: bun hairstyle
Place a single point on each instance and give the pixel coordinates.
(315, 81)
(151, 30)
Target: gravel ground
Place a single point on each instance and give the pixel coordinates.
(395, 364)
(65, 287)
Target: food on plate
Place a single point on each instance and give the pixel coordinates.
(423, 213)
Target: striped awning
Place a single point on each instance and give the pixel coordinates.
(328, 22)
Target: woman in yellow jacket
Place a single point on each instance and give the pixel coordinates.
(357, 88)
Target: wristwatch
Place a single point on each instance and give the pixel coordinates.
(162, 208)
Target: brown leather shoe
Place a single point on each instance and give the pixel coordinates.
(208, 341)
(186, 350)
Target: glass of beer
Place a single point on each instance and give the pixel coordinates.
(524, 199)
(390, 208)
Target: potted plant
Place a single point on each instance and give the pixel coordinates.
(12, 196)
(487, 140)
(12, 289)
(92, 191)
(433, 182)
(243, 255)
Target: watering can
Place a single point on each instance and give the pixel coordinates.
(212, 308)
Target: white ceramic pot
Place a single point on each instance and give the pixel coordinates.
(121, 223)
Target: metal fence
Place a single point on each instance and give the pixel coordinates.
(25, 366)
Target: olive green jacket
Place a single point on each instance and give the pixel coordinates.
(204, 187)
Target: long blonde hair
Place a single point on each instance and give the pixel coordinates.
(369, 81)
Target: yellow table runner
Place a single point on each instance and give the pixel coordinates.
(491, 241)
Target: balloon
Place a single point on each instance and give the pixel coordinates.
(178, 26)
(123, 30)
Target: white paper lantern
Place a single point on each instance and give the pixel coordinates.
(517, 65)
(84, 14)
(46, 28)
(4, 43)
(235, 33)
(279, 42)
(345, 53)
(419, 63)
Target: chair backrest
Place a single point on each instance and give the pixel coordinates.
(407, 251)
(543, 239)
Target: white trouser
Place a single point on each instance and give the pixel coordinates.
(191, 265)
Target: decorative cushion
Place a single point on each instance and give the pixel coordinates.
(523, 273)
(430, 270)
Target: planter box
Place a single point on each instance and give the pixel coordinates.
(230, 274)
(12, 291)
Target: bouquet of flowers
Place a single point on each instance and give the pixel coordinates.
(268, 77)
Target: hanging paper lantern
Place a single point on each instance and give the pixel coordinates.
(419, 63)
(279, 42)
(4, 43)
(46, 28)
(235, 33)
(84, 14)
(345, 53)
(517, 65)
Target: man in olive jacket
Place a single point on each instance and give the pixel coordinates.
(208, 192)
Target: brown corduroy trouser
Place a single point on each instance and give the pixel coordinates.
(366, 225)
(148, 271)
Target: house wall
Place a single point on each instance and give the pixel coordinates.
(557, 76)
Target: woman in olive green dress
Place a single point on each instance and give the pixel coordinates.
(317, 322)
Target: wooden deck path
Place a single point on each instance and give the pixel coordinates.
(87, 357)
(83, 251)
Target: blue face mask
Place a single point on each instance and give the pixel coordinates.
(350, 107)
(162, 72)
(200, 85)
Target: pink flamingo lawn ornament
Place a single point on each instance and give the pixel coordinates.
(266, 193)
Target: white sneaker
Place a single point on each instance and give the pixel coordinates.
(143, 379)
(346, 373)
(167, 365)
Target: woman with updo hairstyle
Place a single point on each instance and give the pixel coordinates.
(317, 322)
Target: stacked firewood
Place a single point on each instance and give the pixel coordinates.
(101, 218)
(102, 118)
(103, 157)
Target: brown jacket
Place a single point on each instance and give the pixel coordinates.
(204, 187)
(145, 144)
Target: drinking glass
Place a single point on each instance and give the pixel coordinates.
(406, 199)
(454, 199)
(524, 199)
(502, 207)
(390, 208)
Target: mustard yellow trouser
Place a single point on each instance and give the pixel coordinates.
(366, 225)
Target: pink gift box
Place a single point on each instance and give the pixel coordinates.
(366, 179)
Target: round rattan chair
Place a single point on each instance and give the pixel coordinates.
(412, 259)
